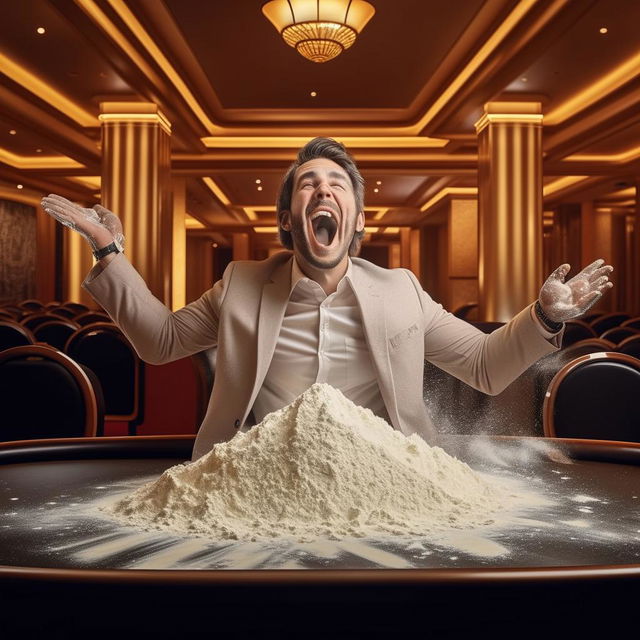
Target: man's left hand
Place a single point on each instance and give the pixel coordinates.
(562, 301)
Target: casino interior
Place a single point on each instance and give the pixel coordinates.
(498, 139)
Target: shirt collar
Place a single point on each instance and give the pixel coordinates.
(297, 275)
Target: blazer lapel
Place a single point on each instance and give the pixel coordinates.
(372, 309)
(273, 304)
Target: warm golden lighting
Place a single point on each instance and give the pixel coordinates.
(596, 91)
(615, 158)
(380, 213)
(371, 229)
(295, 142)
(41, 162)
(191, 223)
(561, 183)
(449, 191)
(265, 229)
(40, 30)
(319, 30)
(144, 112)
(93, 182)
(217, 191)
(46, 92)
(392, 230)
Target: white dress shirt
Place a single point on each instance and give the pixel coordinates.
(321, 340)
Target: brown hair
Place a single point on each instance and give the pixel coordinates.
(332, 150)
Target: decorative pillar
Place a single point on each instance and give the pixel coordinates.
(241, 246)
(179, 244)
(405, 247)
(136, 185)
(510, 208)
(634, 306)
(462, 252)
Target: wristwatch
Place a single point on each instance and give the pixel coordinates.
(114, 247)
(549, 324)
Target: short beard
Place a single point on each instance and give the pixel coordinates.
(300, 243)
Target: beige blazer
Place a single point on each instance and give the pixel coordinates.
(242, 315)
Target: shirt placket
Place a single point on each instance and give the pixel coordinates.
(323, 340)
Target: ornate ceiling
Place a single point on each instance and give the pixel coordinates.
(404, 98)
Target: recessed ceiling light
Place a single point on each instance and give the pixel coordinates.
(215, 245)
(524, 79)
(20, 186)
(38, 150)
(40, 30)
(378, 181)
(258, 181)
(313, 94)
(376, 190)
(259, 188)
(12, 132)
(603, 29)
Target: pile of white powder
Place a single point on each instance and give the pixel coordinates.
(319, 467)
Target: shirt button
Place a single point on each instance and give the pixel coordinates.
(236, 424)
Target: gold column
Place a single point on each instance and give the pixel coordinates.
(136, 185)
(416, 253)
(462, 252)
(241, 246)
(405, 247)
(634, 306)
(510, 208)
(179, 244)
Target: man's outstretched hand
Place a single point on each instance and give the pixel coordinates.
(98, 225)
(562, 301)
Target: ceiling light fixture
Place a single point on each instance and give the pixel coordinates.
(313, 94)
(604, 30)
(319, 30)
(12, 132)
(20, 186)
(259, 188)
(40, 30)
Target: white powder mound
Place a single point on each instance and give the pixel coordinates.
(319, 467)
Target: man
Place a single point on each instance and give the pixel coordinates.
(319, 314)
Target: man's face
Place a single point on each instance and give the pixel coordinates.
(323, 216)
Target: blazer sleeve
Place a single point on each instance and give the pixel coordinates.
(157, 334)
(487, 362)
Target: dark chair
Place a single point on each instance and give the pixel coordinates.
(634, 323)
(89, 317)
(45, 394)
(608, 321)
(65, 312)
(6, 315)
(575, 331)
(106, 351)
(76, 307)
(34, 320)
(487, 327)
(630, 346)
(205, 366)
(465, 310)
(52, 305)
(16, 312)
(590, 345)
(618, 334)
(31, 305)
(13, 334)
(55, 333)
(591, 316)
(596, 397)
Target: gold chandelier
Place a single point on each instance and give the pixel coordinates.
(319, 29)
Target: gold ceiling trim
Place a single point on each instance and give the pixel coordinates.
(265, 229)
(380, 212)
(46, 92)
(158, 56)
(613, 158)
(18, 195)
(216, 190)
(446, 192)
(38, 162)
(295, 142)
(508, 118)
(89, 6)
(136, 118)
(595, 91)
(93, 182)
(191, 223)
(561, 183)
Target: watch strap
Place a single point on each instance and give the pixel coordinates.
(549, 324)
(105, 251)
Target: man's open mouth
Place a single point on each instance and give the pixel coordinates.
(324, 227)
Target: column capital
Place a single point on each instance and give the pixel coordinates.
(510, 112)
(146, 112)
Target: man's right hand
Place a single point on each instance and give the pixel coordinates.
(98, 225)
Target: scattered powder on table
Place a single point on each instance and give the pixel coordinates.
(319, 467)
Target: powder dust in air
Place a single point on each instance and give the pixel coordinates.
(321, 467)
